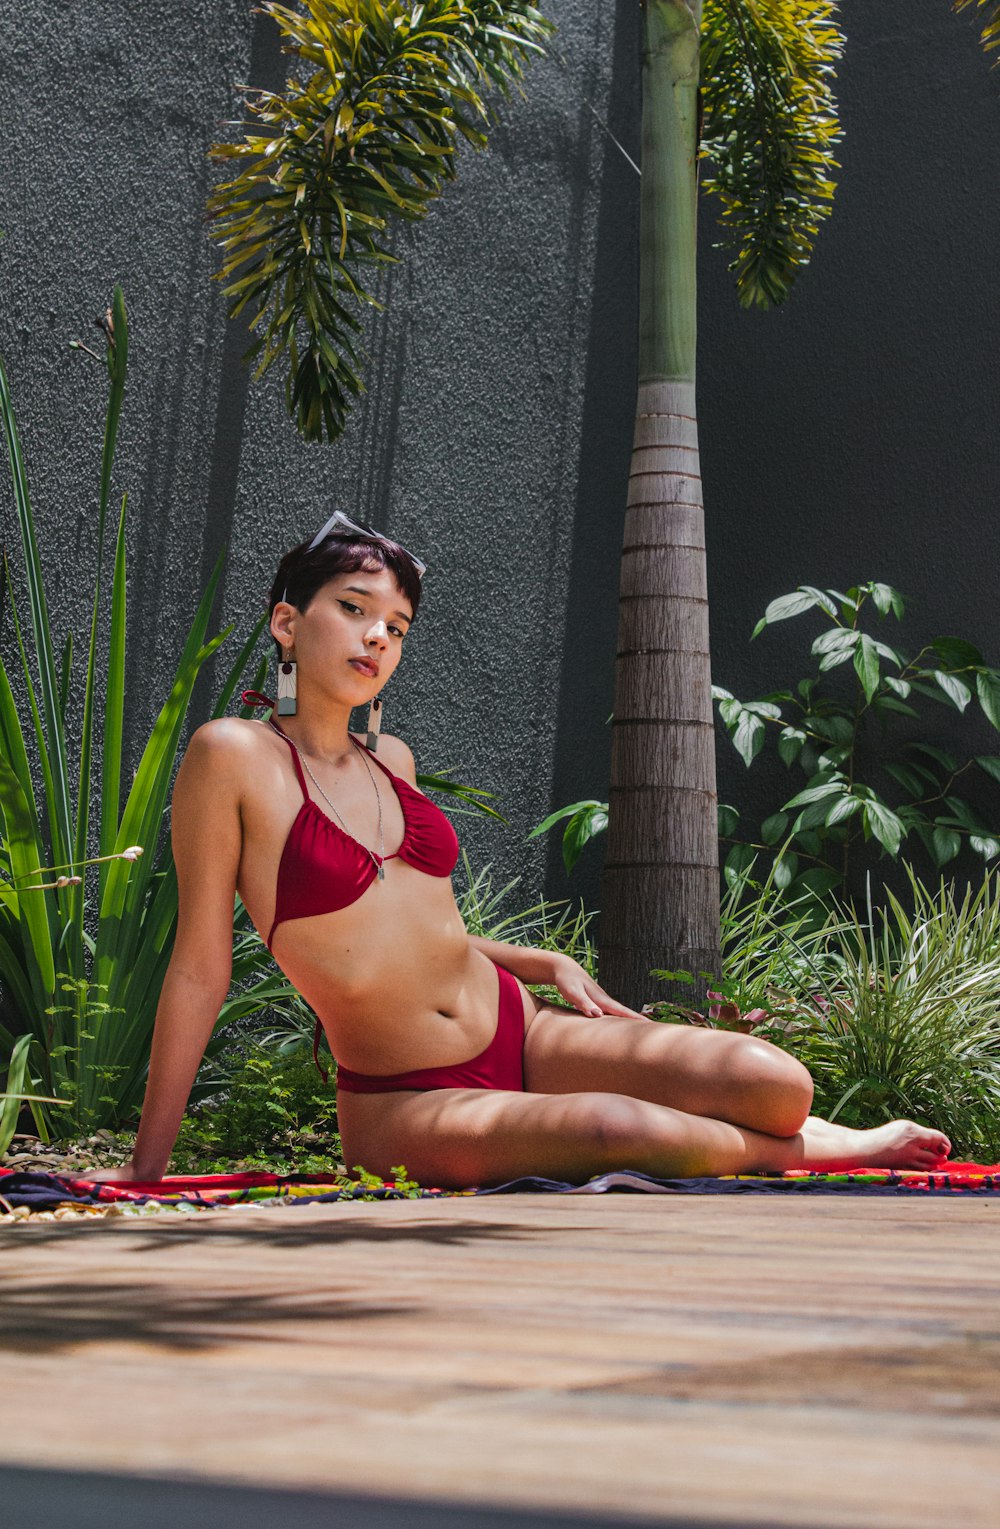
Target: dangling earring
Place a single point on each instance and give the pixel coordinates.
(374, 722)
(287, 687)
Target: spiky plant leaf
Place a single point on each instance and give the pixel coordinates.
(769, 130)
(363, 135)
(990, 34)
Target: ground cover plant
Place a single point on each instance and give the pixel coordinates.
(894, 1011)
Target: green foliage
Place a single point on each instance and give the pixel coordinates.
(915, 790)
(894, 1014)
(541, 925)
(273, 1103)
(770, 127)
(990, 35)
(366, 134)
(83, 956)
(585, 819)
(472, 796)
(769, 130)
(13, 1096)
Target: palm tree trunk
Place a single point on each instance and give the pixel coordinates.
(660, 893)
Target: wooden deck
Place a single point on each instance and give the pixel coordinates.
(732, 1361)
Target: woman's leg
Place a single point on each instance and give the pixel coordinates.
(737, 1079)
(714, 1073)
(458, 1138)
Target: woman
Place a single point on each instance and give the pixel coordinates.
(447, 1062)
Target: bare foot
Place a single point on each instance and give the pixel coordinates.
(897, 1144)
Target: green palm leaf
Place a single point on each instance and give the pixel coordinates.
(366, 136)
(990, 34)
(770, 124)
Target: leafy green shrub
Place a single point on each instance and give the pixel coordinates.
(894, 1014)
(912, 791)
(273, 1104)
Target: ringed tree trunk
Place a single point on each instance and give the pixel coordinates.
(660, 891)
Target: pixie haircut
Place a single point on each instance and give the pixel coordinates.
(301, 574)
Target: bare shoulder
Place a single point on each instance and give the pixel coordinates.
(396, 754)
(224, 747)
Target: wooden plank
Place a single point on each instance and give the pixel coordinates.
(799, 1361)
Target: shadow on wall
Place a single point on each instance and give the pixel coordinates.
(582, 757)
(267, 71)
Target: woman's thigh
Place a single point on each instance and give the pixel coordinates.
(712, 1073)
(456, 1137)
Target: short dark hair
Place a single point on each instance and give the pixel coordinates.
(301, 574)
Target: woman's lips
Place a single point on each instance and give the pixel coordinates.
(364, 668)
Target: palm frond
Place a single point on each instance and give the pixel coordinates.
(770, 126)
(366, 135)
(990, 34)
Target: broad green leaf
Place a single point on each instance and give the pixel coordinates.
(748, 738)
(884, 825)
(728, 819)
(738, 863)
(956, 653)
(867, 666)
(818, 792)
(841, 810)
(901, 687)
(889, 703)
(790, 742)
(812, 816)
(772, 829)
(819, 880)
(990, 763)
(839, 640)
(821, 598)
(988, 688)
(580, 830)
(785, 868)
(946, 844)
(964, 815)
(955, 689)
(947, 761)
(886, 599)
(561, 813)
(985, 845)
(908, 779)
(784, 607)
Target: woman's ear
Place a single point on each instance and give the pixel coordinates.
(283, 623)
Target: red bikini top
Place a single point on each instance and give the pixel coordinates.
(323, 868)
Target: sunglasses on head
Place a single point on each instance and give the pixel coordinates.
(338, 524)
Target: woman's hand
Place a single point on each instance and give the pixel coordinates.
(582, 992)
(124, 1174)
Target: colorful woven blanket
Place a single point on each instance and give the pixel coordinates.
(23, 1195)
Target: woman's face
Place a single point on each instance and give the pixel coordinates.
(354, 617)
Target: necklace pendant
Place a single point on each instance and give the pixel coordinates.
(381, 873)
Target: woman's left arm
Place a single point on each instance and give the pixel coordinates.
(555, 969)
(551, 968)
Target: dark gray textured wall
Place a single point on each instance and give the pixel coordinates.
(851, 434)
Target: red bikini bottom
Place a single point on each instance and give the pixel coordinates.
(499, 1066)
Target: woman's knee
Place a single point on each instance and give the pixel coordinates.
(781, 1088)
(609, 1125)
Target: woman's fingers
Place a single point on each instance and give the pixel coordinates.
(598, 1002)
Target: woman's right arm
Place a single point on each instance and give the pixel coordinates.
(206, 835)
